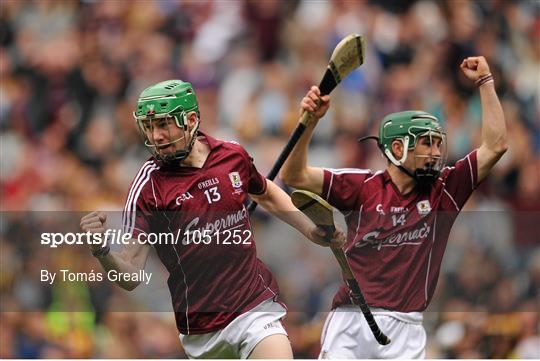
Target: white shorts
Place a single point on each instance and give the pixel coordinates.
(346, 335)
(239, 337)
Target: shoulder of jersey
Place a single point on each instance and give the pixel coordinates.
(151, 161)
(231, 144)
(444, 173)
(146, 169)
(367, 173)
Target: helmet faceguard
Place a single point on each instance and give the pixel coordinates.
(166, 105)
(427, 167)
(410, 128)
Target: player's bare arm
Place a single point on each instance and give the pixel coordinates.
(277, 202)
(132, 258)
(296, 172)
(494, 137)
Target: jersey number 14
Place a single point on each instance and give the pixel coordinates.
(398, 219)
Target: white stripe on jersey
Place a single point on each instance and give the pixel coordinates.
(358, 225)
(130, 193)
(339, 171)
(126, 222)
(374, 175)
(470, 167)
(154, 192)
(136, 197)
(330, 186)
(451, 198)
(265, 286)
(429, 259)
(183, 273)
(135, 191)
(447, 168)
(348, 170)
(187, 288)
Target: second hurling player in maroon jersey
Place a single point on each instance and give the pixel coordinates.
(398, 220)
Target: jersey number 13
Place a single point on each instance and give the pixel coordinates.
(212, 195)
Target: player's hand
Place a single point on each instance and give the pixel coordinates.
(314, 103)
(94, 223)
(474, 67)
(318, 236)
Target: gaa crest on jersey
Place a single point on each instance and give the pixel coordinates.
(235, 179)
(183, 197)
(423, 207)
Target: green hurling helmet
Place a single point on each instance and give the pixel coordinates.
(171, 99)
(408, 127)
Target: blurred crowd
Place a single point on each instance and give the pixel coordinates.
(70, 75)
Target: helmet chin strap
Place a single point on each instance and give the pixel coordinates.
(193, 135)
(407, 172)
(423, 177)
(183, 154)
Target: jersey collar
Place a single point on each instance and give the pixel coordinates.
(211, 141)
(388, 180)
(386, 177)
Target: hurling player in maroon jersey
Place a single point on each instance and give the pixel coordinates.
(195, 187)
(399, 219)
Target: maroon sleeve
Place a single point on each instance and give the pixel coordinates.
(139, 203)
(342, 186)
(257, 182)
(461, 179)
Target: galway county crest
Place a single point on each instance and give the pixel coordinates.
(423, 207)
(235, 179)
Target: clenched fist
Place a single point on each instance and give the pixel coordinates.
(314, 103)
(474, 67)
(94, 223)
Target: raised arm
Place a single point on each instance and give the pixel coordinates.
(494, 137)
(132, 258)
(296, 172)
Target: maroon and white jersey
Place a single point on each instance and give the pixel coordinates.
(395, 243)
(214, 272)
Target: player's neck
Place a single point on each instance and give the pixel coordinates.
(403, 182)
(197, 156)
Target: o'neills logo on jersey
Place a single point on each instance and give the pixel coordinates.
(235, 179)
(208, 183)
(412, 237)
